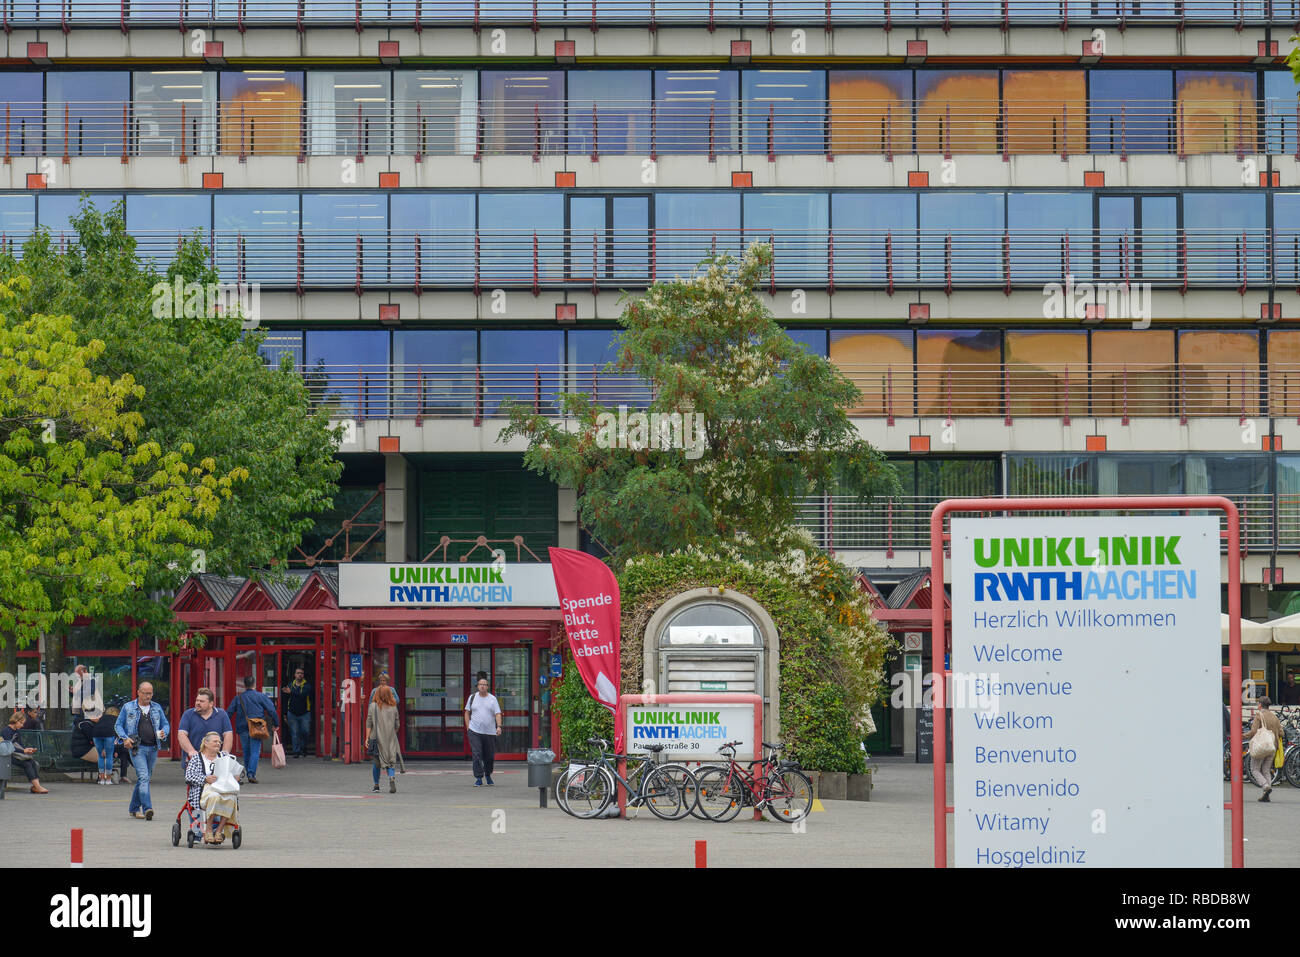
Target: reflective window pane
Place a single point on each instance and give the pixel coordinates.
(262, 113)
(1045, 111)
(521, 236)
(85, 113)
(1130, 111)
(175, 112)
(785, 111)
(348, 112)
(442, 226)
(435, 111)
(24, 115)
(347, 372)
(256, 237)
(1226, 239)
(796, 225)
(697, 111)
(1281, 112)
(589, 352)
(876, 241)
(871, 111)
(959, 372)
(1047, 373)
(1133, 373)
(1050, 236)
(609, 111)
(433, 372)
(345, 238)
(522, 365)
(879, 363)
(54, 211)
(523, 111)
(957, 111)
(159, 221)
(1219, 372)
(691, 226)
(973, 223)
(1216, 111)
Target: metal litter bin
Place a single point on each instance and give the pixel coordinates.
(540, 763)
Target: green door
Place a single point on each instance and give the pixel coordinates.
(498, 503)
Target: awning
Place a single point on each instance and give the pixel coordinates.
(1253, 634)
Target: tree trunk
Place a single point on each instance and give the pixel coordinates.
(8, 666)
(57, 715)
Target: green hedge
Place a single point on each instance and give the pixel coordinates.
(832, 651)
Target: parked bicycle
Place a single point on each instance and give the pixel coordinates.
(779, 787)
(586, 790)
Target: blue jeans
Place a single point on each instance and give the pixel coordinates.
(143, 758)
(104, 748)
(252, 751)
(299, 729)
(374, 766)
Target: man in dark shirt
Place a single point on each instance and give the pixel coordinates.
(1290, 690)
(142, 726)
(298, 711)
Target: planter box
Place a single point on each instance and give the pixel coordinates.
(859, 787)
(832, 785)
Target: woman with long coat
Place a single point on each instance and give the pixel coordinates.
(382, 724)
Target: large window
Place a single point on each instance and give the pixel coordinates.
(442, 225)
(589, 352)
(1281, 112)
(876, 241)
(262, 112)
(255, 236)
(609, 111)
(691, 226)
(1284, 373)
(1050, 236)
(522, 365)
(522, 236)
(1045, 111)
(871, 111)
(961, 237)
(796, 225)
(175, 112)
(1226, 238)
(523, 112)
(1286, 237)
(1133, 373)
(785, 111)
(54, 211)
(696, 111)
(433, 372)
(24, 115)
(1130, 111)
(85, 113)
(346, 238)
(435, 112)
(879, 363)
(1216, 112)
(1219, 372)
(348, 112)
(159, 221)
(957, 111)
(1047, 373)
(17, 219)
(959, 372)
(347, 372)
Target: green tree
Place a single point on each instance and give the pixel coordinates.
(90, 506)
(774, 418)
(205, 382)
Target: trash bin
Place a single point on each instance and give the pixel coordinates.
(539, 767)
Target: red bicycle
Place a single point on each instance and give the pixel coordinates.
(779, 787)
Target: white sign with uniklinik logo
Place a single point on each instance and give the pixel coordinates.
(1076, 629)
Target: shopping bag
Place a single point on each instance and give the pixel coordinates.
(277, 752)
(1262, 744)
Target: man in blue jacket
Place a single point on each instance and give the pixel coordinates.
(142, 726)
(250, 703)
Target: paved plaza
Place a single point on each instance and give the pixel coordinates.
(320, 813)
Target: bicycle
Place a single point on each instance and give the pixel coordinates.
(780, 788)
(585, 791)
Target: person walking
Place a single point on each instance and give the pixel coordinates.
(247, 703)
(382, 725)
(298, 711)
(483, 719)
(142, 726)
(1261, 766)
(196, 722)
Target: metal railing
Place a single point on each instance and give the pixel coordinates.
(1125, 266)
(667, 126)
(1007, 391)
(419, 14)
(841, 522)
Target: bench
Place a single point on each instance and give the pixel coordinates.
(52, 755)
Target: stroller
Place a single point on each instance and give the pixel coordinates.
(227, 773)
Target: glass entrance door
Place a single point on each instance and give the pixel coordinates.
(433, 699)
(509, 677)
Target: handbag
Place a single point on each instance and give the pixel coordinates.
(277, 752)
(258, 729)
(1263, 744)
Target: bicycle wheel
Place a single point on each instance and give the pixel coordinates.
(669, 791)
(697, 811)
(720, 793)
(1291, 768)
(789, 796)
(587, 791)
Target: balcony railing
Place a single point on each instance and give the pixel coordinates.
(842, 523)
(1125, 266)
(673, 126)
(420, 14)
(1008, 392)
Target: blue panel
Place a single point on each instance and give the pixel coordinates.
(521, 235)
(696, 111)
(433, 371)
(521, 364)
(1040, 224)
(334, 225)
(256, 237)
(589, 352)
(347, 372)
(1281, 112)
(1225, 231)
(17, 218)
(973, 223)
(158, 221)
(690, 226)
(796, 224)
(93, 105)
(1130, 111)
(875, 238)
(55, 210)
(814, 340)
(620, 100)
(785, 111)
(1286, 246)
(444, 224)
(24, 98)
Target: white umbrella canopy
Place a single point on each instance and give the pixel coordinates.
(1253, 634)
(1286, 631)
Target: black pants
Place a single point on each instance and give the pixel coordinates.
(484, 749)
(27, 766)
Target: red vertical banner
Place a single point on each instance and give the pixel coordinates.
(589, 599)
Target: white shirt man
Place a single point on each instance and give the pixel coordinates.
(483, 721)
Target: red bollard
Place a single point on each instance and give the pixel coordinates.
(701, 852)
(77, 844)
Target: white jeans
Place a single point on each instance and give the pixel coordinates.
(1262, 770)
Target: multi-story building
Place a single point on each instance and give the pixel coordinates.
(1055, 244)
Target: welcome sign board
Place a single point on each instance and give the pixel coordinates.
(1065, 633)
